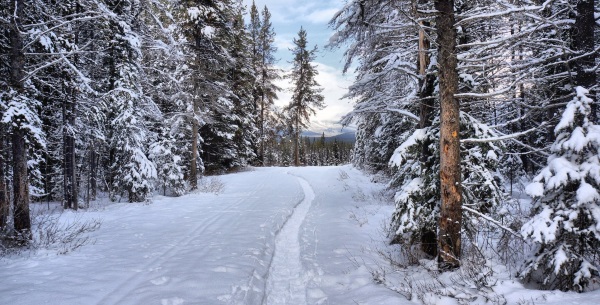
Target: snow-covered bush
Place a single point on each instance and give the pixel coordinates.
(168, 160)
(566, 215)
(57, 232)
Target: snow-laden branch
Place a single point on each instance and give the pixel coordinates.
(381, 110)
(509, 11)
(42, 33)
(493, 221)
(542, 152)
(85, 80)
(490, 94)
(403, 112)
(503, 137)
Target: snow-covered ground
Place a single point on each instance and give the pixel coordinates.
(271, 236)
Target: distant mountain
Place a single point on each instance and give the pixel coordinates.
(349, 136)
(310, 134)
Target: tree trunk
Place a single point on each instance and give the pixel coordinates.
(194, 161)
(93, 183)
(261, 157)
(426, 106)
(296, 141)
(69, 108)
(4, 207)
(583, 42)
(20, 185)
(449, 239)
(69, 179)
(22, 221)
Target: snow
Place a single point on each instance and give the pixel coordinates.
(285, 283)
(214, 249)
(271, 236)
(399, 155)
(587, 193)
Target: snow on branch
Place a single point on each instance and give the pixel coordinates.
(509, 11)
(493, 221)
(490, 94)
(503, 137)
(404, 113)
(381, 110)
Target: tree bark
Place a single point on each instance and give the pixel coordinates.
(22, 222)
(449, 238)
(426, 107)
(194, 161)
(69, 108)
(69, 178)
(297, 140)
(583, 42)
(4, 205)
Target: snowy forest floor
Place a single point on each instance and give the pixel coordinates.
(311, 235)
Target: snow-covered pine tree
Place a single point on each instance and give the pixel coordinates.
(165, 154)
(131, 171)
(161, 57)
(384, 45)
(266, 77)
(219, 151)
(19, 104)
(306, 97)
(417, 201)
(262, 47)
(566, 213)
(199, 24)
(242, 80)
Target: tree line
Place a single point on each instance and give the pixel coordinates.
(131, 97)
(457, 100)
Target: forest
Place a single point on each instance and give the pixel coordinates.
(460, 102)
(466, 109)
(126, 98)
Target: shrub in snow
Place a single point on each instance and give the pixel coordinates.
(566, 215)
(417, 201)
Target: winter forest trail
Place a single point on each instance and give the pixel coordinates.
(286, 283)
(271, 236)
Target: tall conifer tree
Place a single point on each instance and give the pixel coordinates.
(306, 97)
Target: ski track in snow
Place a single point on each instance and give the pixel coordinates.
(126, 288)
(286, 282)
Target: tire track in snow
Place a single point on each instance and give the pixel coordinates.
(286, 282)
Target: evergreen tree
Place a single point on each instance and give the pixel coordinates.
(306, 95)
(198, 24)
(242, 82)
(128, 106)
(262, 36)
(19, 105)
(162, 57)
(565, 223)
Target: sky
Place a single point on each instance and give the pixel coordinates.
(287, 16)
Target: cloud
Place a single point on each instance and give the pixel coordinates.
(284, 42)
(321, 16)
(295, 11)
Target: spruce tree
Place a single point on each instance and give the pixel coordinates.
(566, 221)
(306, 97)
(131, 171)
(262, 40)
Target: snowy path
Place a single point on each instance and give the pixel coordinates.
(286, 283)
(272, 236)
